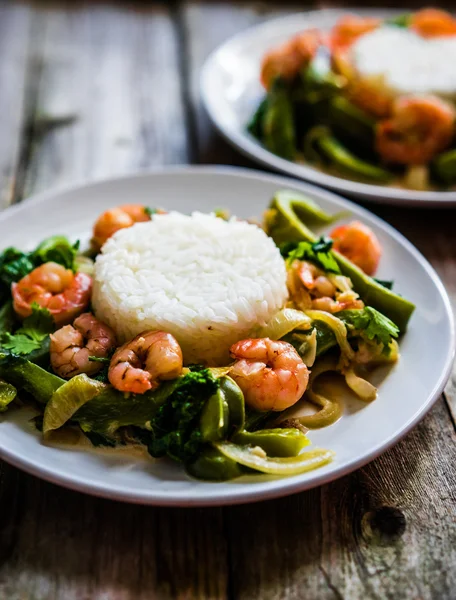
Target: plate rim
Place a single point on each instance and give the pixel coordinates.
(255, 151)
(238, 496)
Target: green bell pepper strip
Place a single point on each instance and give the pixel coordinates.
(352, 121)
(31, 378)
(444, 167)
(234, 398)
(342, 159)
(214, 418)
(275, 442)
(212, 465)
(7, 394)
(278, 124)
(285, 223)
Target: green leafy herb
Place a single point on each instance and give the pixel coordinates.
(15, 264)
(57, 249)
(174, 430)
(150, 211)
(372, 325)
(35, 329)
(318, 252)
(386, 284)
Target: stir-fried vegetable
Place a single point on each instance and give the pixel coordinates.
(284, 224)
(255, 458)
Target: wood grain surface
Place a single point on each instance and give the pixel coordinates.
(89, 90)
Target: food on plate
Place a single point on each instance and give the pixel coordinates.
(199, 337)
(370, 100)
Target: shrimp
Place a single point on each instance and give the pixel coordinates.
(420, 128)
(359, 244)
(287, 60)
(271, 374)
(140, 365)
(64, 293)
(310, 288)
(72, 345)
(348, 29)
(117, 218)
(432, 22)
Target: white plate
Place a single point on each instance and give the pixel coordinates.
(231, 92)
(406, 394)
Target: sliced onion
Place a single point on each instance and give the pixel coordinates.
(362, 388)
(252, 458)
(308, 349)
(330, 409)
(68, 399)
(84, 264)
(283, 322)
(219, 372)
(337, 327)
(342, 283)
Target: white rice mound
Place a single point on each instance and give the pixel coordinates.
(207, 281)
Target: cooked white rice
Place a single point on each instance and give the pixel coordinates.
(207, 281)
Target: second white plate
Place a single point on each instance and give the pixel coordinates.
(231, 92)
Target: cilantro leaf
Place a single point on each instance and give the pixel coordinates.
(318, 252)
(56, 249)
(372, 325)
(35, 329)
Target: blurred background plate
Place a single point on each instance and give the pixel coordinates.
(231, 92)
(363, 432)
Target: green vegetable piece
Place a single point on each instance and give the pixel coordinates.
(275, 442)
(7, 318)
(34, 332)
(255, 458)
(385, 283)
(444, 167)
(31, 378)
(255, 126)
(278, 125)
(317, 252)
(234, 398)
(57, 249)
(372, 324)
(14, 264)
(212, 465)
(285, 224)
(7, 394)
(306, 209)
(402, 21)
(67, 399)
(351, 121)
(214, 418)
(350, 165)
(111, 409)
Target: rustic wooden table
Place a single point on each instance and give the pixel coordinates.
(89, 90)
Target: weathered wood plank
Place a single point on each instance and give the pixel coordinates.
(383, 532)
(15, 63)
(66, 546)
(109, 96)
